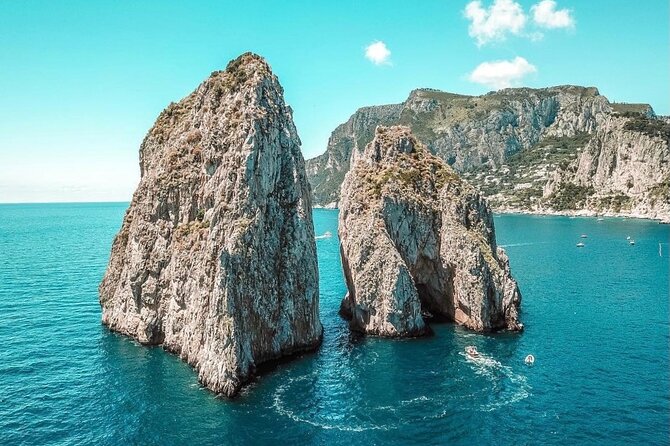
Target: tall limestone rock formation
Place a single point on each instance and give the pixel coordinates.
(216, 258)
(511, 143)
(417, 242)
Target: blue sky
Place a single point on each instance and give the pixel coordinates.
(81, 82)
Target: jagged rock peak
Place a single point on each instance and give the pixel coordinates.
(243, 71)
(390, 142)
(418, 243)
(216, 258)
(417, 92)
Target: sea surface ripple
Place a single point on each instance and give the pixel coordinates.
(596, 320)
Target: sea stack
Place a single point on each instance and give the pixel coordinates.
(418, 243)
(216, 258)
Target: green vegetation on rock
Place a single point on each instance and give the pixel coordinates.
(650, 127)
(519, 183)
(570, 197)
(614, 203)
(661, 191)
(630, 110)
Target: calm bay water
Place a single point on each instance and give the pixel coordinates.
(597, 320)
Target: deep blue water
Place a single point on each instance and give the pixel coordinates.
(596, 320)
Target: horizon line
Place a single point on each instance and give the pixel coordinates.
(9, 203)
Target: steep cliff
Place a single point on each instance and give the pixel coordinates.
(509, 144)
(417, 243)
(216, 258)
(326, 172)
(624, 170)
(465, 131)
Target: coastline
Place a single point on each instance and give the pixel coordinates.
(661, 219)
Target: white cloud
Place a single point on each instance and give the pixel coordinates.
(378, 53)
(545, 15)
(494, 23)
(502, 73)
(505, 17)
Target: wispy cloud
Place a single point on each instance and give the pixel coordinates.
(546, 15)
(378, 53)
(502, 73)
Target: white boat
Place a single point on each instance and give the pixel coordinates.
(472, 352)
(583, 236)
(580, 245)
(632, 242)
(530, 360)
(600, 219)
(628, 238)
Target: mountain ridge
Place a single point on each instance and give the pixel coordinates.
(479, 134)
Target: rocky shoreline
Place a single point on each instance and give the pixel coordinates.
(548, 212)
(216, 257)
(584, 213)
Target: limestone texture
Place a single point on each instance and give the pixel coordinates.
(522, 149)
(418, 244)
(624, 168)
(216, 258)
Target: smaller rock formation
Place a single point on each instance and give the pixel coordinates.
(418, 242)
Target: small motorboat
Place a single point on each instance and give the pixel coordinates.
(580, 245)
(326, 234)
(628, 238)
(530, 360)
(472, 352)
(631, 241)
(600, 219)
(583, 236)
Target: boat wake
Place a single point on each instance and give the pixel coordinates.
(352, 415)
(507, 386)
(319, 416)
(326, 234)
(514, 245)
(337, 400)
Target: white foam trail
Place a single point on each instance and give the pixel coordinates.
(495, 372)
(513, 245)
(326, 234)
(279, 407)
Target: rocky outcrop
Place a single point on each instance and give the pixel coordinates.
(515, 146)
(466, 131)
(326, 172)
(417, 243)
(216, 258)
(623, 170)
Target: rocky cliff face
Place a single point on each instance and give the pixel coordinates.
(465, 131)
(624, 169)
(509, 143)
(417, 243)
(216, 258)
(326, 172)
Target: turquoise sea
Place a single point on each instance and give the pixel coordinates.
(596, 320)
